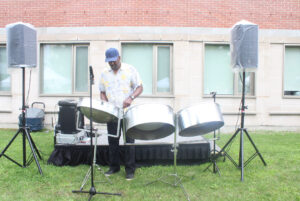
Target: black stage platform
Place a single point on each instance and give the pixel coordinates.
(153, 154)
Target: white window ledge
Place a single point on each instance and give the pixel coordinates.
(282, 113)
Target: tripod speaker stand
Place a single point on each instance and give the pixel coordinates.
(241, 131)
(25, 131)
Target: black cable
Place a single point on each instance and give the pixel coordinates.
(237, 121)
(26, 102)
(238, 116)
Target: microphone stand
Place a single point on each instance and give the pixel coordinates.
(92, 190)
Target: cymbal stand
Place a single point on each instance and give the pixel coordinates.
(213, 159)
(25, 131)
(91, 172)
(177, 179)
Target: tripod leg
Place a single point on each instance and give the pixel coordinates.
(223, 149)
(185, 193)
(86, 178)
(90, 197)
(10, 142)
(102, 172)
(25, 132)
(37, 151)
(241, 160)
(24, 146)
(216, 168)
(229, 141)
(257, 151)
(207, 167)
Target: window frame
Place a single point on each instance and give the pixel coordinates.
(235, 80)
(6, 93)
(283, 69)
(155, 46)
(74, 52)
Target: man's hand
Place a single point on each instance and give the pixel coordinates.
(127, 102)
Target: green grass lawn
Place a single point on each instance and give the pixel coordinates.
(279, 180)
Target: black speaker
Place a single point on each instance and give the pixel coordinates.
(67, 116)
(244, 45)
(21, 45)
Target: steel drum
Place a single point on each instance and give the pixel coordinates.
(199, 119)
(102, 111)
(149, 121)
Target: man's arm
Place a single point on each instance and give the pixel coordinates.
(137, 91)
(103, 96)
(127, 102)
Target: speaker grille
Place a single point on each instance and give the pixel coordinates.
(21, 45)
(244, 45)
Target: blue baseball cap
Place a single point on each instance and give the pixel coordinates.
(111, 54)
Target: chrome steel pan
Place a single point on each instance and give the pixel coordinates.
(149, 121)
(102, 111)
(199, 119)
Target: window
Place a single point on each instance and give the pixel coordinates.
(4, 76)
(154, 64)
(292, 71)
(64, 68)
(219, 76)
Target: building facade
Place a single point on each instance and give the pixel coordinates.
(180, 48)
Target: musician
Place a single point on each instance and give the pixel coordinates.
(119, 84)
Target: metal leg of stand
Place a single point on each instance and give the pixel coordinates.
(32, 150)
(213, 159)
(26, 135)
(86, 178)
(177, 179)
(95, 158)
(241, 162)
(7, 146)
(256, 149)
(225, 146)
(88, 174)
(35, 148)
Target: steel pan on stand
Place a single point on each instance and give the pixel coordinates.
(149, 121)
(199, 119)
(103, 112)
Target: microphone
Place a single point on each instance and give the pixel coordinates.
(91, 74)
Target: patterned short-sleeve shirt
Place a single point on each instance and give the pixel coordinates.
(121, 85)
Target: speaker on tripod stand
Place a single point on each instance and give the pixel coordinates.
(22, 53)
(244, 57)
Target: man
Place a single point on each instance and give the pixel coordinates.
(120, 85)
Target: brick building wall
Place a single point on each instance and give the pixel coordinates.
(268, 14)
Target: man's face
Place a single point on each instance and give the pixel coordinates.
(115, 65)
